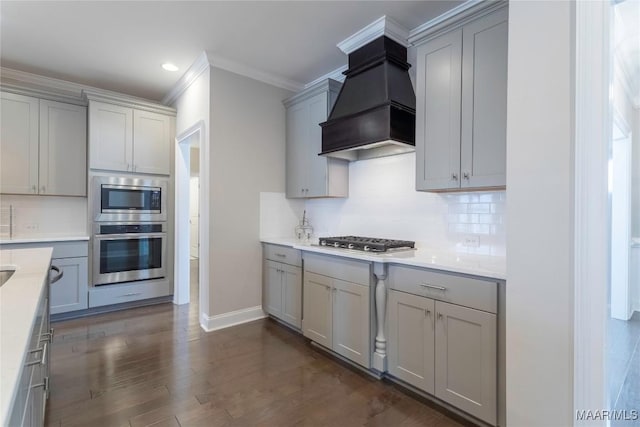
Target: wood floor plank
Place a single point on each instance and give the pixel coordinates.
(154, 366)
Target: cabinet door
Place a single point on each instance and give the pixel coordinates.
(438, 93)
(18, 144)
(71, 292)
(466, 361)
(273, 288)
(110, 137)
(63, 149)
(484, 101)
(317, 183)
(151, 143)
(412, 339)
(317, 309)
(292, 295)
(296, 168)
(351, 321)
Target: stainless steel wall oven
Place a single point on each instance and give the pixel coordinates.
(124, 252)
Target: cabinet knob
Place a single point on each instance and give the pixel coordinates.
(454, 176)
(34, 189)
(466, 175)
(43, 189)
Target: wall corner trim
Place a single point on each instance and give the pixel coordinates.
(232, 318)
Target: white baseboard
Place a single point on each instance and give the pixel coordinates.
(232, 318)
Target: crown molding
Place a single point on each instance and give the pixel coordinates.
(326, 85)
(254, 73)
(383, 26)
(127, 101)
(458, 16)
(42, 93)
(199, 66)
(336, 75)
(36, 85)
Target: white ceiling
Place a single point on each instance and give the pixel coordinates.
(120, 45)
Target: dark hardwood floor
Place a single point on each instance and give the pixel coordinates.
(155, 366)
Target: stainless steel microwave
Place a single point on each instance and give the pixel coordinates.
(129, 199)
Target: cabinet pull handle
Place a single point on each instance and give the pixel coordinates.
(59, 276)
(439, 315)
(34, 189)
(466, 175)
(438, 288)
(44, 384)
(454, 176)
(43, 189)
(133, 294)
(281, 255)
(427, 312)
(47, 336)
(43, 358)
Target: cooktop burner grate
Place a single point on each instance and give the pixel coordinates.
(368, 244)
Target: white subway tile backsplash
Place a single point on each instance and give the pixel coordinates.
(47, 216)
(383, 202)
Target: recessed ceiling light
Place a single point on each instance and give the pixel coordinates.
(169, 66)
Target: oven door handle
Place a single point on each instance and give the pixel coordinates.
(128, 236)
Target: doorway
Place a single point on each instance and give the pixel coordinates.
(191, 275)
(623, 325)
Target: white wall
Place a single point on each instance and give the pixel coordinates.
(247, 158)
(47, 216)
(383, 203)
(539, 316)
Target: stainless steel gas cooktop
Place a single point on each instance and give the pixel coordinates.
(367, 244)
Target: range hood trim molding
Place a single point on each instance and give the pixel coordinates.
(383, 26)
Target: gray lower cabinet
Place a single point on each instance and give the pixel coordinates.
(282, 287)
(439, 346)
(412, 339)
(70, 293)
(120, 293)
(337, 306)
(310, 175)
(33, 387)
(461, 93)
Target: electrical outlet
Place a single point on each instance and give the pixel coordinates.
(471, 241)
(32, 226)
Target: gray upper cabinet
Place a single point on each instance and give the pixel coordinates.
(126, 136)
(39, 140)
(461, 89)
(310, 175)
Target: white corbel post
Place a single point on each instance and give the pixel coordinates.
(380, 353)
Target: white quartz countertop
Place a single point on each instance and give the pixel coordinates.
(45, 239)
(478, 265)
(19, 298)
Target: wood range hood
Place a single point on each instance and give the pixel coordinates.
(375, 112)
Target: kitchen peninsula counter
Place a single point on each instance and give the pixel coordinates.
(19, 301)
(487, 266)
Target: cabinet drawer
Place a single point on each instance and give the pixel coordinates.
(117, 294)
(470, 292)
(338, 268)
(283, 254)
(70, 249)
